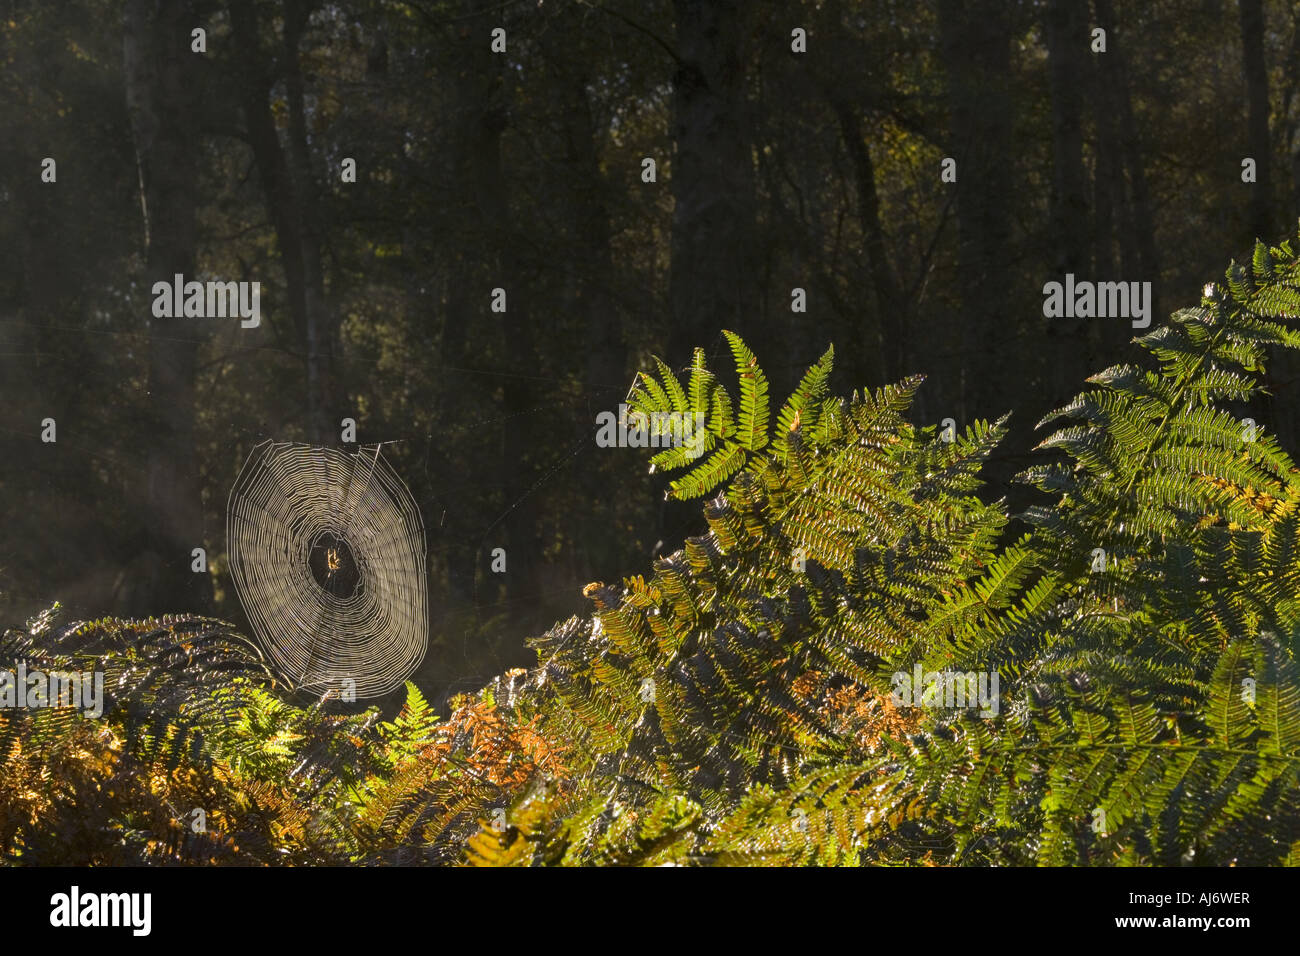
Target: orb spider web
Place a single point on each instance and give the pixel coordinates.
(327, 553)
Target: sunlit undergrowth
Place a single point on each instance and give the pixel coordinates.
(739, 703)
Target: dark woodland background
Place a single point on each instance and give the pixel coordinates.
(523, 170)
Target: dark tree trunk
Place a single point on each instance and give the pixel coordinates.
(1067, 39)
(1289, 112)
(468, 274)
(1137, 235)
(1108, 175)
(292, 202)
(592, 300)
(713, 284)
(1257, 135)
(1067, 44)
(160, 85)
(487, 121)
(976, 47)
(890, 301)
(325, 404)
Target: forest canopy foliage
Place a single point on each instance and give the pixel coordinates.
(738, 703)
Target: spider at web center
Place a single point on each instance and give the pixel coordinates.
(332, 565)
